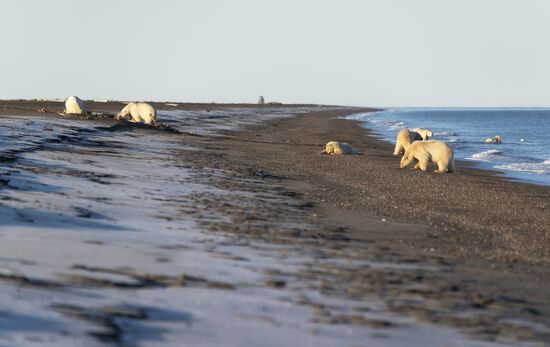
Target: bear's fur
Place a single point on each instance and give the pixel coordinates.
(425, 133)
(139, 113)
(424, 152)
(497, 139)
(339, 148)
(404, 140)
(74, 105)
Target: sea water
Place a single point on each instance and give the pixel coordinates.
(524, 153)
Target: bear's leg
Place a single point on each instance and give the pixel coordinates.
(136, 118)
(441, 167)
(417, 165)
(451, 166)
(423, 160)
(423, 165)
(398, 148)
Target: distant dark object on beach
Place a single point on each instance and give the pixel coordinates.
(261, 100)
(126, 125)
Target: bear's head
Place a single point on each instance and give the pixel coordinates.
(124, 114)
(331, 147)
(406, 159)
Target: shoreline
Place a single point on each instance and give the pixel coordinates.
(466, 149)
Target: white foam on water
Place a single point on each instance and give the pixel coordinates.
(445, 133)
(542, 168)
(485, 155)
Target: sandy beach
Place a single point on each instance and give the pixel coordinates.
(466, 251)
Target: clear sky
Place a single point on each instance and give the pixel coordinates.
(348, 52)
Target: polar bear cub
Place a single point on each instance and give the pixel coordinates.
(339, 148)
(404, 140)
(140, 112)
(74, 105)
(425, 133)
(423, 152)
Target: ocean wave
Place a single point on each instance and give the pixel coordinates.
(534, 168)
(358, 116)
(363, 115)
(445, 133)
(485, 155)
(396, 126)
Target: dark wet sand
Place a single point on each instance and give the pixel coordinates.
(486, 238)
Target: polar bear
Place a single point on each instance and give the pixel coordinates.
(140, 112)
(424, 152)
(404, 140)
(339, 148)
(425, 133)
(74, 105)
(497, 139)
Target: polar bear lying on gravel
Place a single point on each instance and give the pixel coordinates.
(139, 113)
(404, 140)
(429, 151)
(339, 148)
(74, 105)
(425, 133)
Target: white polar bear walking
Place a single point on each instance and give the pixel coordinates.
(339, 148)
(404, 140)
(74, 105)
(425, 133)
(425, 152)
(140, 112)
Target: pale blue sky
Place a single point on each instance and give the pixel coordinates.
(351, 52)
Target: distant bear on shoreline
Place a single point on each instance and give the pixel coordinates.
(74, 105)
(424, 152)
(339, 148)
(404, 140)
(425, 133)
(139, 113)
